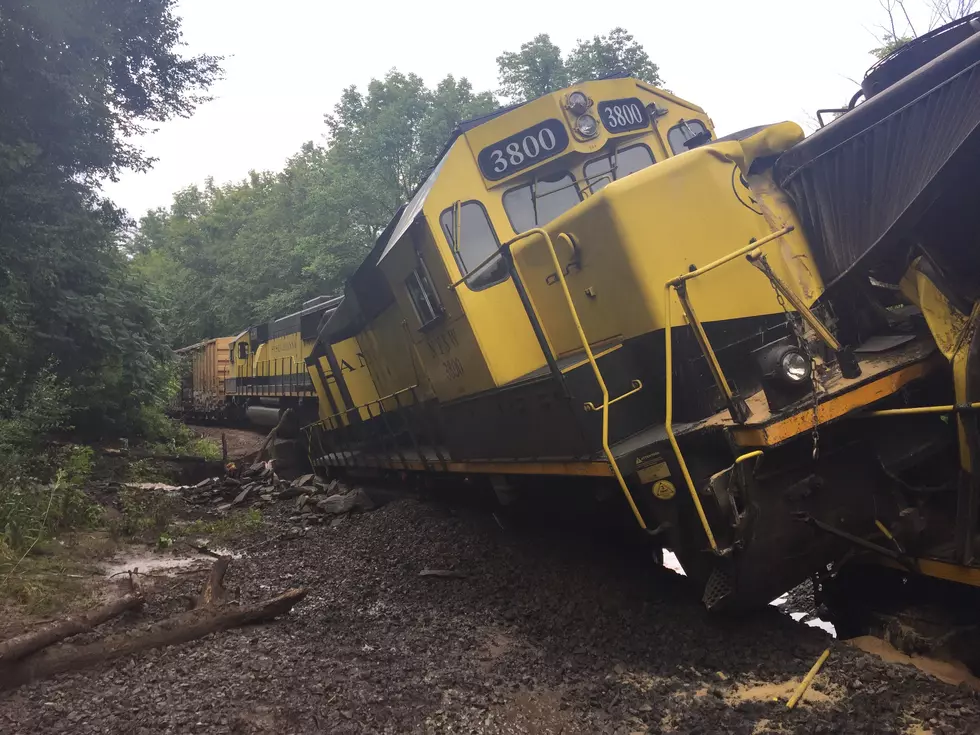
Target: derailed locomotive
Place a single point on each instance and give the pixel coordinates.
(765, 344)
(254, 376)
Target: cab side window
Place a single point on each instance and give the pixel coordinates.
(477, 242)
(243, 350)
(423, 296)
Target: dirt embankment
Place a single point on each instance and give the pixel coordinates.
(535, 631)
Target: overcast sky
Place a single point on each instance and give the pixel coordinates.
(288, 60)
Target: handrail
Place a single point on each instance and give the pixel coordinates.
(920, 410)
(669, 420)
(674, 283)
(757, 259)
(731, 256)
(598, 376)
(368, 403)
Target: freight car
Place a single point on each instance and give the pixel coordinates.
(765, 344)
(205, 367)
(256, 375)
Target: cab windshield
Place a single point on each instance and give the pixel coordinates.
(540, 201)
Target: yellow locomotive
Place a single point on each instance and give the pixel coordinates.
(764, 344)
(256, 375)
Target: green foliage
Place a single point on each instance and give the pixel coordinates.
(32, 510)
(617, 53)
(206, 448)
(75, 91)
(143, 512)
(535, 70)
(29, 411)
(538, 68)
(889, 44)
(228, 256)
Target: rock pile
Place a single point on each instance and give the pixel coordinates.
(258, 484)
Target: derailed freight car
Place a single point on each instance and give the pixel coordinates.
(730, 332)
(256, 375)
(204, 368)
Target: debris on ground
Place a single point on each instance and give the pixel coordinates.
(553, 629)
(32, 656)
(315, 500)
(449, 573)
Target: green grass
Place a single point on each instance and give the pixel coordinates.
(203, 447)
(143, 513)
(222, 529)
(55, 576)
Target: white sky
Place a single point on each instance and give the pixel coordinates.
(288, 60)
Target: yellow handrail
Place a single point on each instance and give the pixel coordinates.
(598, 376)
(731, 256)
(371, 402)
(757, 259)
(523, 236)
(748, 455)
(669, 366)
(669, 420)
(919, 410)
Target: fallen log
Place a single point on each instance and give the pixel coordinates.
(181, 628)
(21, 645)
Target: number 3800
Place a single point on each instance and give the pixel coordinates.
(623, 116)
(516, 152)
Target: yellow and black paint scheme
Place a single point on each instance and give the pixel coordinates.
(262, 371)
(593, 288)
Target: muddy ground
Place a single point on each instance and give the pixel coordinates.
(544, 631)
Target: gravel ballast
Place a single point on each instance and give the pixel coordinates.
(523, 630)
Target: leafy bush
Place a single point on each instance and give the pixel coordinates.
(77, 90)
(28, 413)
(32, 510)
(143, 512)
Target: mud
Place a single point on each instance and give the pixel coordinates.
(543, 631)
(951, 672)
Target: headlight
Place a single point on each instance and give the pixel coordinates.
(587, 126)
(794, 366)
(786, 372)
(577, 103)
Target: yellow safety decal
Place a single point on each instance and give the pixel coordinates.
(664, 490)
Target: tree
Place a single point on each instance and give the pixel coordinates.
(538, 68)
(615, 54)
(75, 89)
(898, 28)
(535, 70)
(384, 143)
(229, 256)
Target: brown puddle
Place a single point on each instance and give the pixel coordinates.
(951, 672)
